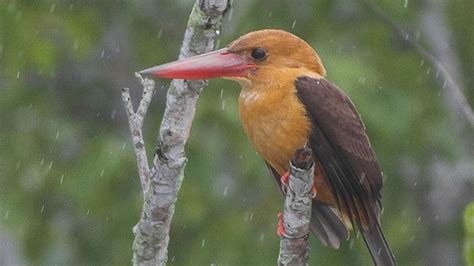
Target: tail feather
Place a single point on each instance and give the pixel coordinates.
(378, 246)
(327, 225)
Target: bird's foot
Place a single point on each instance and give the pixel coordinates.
(281, 226)
(284, 185)
(284, 181)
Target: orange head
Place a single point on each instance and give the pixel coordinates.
(250, 59)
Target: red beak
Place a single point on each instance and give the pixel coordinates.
(220, 63)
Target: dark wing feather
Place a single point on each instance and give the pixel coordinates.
(326, 223)
(340, 143)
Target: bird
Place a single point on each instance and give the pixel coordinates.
(286, 103)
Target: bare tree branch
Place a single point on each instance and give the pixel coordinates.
(162, 182)
(135, 121)
(294, 244)
(460, 107)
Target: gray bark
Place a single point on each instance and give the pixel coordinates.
(162, 182)
(294, 244)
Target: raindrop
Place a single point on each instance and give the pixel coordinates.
(422, 62)
(18, 75)
(42, 208)
(437, 74)
(261, 237)
(362, 178)
(203, 243)
(226, 188)
(416, 183)
(406, 4)
(50, 165)
(229, 18)
(223, 104)
(114, 113)
(102, 54)
(42, 162)
(123, 145)
(251, 216)
(222, 93)
(293, 25)
(444, 84)
(18, 165)
(428, 71)
(53, 6)
(75, 46)
(102, 172)
(62, 179)
(173, 258)
(383, 209)
(88, 211)
(270, 14)
(418, 220)
(107, 218)
(57, 135)
(160, 33)
(7, 213)
(218, 32)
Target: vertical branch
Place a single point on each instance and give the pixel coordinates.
(294, 244)
(162, 182)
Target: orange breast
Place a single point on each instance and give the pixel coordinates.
(275, 121)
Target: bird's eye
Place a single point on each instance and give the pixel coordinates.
(258, 53)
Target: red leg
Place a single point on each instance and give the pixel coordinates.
(281, 226)
(284, 182)
(284, 178)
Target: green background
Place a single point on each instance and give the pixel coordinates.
(69, 190)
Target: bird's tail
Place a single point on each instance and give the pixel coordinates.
(378, 246)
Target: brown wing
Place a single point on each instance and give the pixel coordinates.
(340, 144)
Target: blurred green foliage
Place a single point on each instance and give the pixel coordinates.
(69, 191)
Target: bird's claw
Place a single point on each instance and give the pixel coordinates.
(284, 182)
(281, 226)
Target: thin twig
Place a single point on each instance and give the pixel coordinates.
(161, 183)
(294, 244)
(462, 106)
(135, 121)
